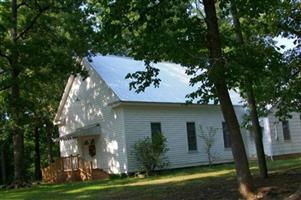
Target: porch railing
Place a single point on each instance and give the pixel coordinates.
(67, 169)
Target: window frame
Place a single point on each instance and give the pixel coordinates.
(286, 130)
(191, 144)
(152, 128)
(226, 135)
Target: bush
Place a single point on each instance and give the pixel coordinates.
(150, 153)
(209, 139)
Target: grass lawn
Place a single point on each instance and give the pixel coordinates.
(217, 182)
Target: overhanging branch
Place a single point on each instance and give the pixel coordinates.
(33, 21)
(4, 87)
(23, 3)
(5, 56)
(290, 29)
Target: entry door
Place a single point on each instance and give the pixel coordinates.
(89, 150)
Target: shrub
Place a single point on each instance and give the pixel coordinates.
(150, 153)
(208, 138)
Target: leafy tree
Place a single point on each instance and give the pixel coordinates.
(286, 23)
(176, 31)
(217, 74)
(37, 36)
(247, 86)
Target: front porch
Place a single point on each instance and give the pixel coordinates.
(72, 168)
(80, 157)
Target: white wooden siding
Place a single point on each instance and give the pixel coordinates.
(266, 139)
(173, 123)
(88, 103)
(279, 145)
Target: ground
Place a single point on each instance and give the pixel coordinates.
(217, 182)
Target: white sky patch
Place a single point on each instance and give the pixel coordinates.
(287, 42)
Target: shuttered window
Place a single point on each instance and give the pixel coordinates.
(226, 134)
(155, 128)
(286, 130)
(191, 136)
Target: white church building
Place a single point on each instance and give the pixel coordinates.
(100, 119)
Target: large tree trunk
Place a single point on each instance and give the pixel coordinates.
(18, 146)
(251, 102)
(3, 165)
(257, 134)
(18, 140)
(37, 157)
(217, 75)
(49, 142)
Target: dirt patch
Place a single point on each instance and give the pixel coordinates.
(278, 186)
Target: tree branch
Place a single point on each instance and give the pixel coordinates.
(5, 87)
(33, 21)
(197, 3)
(5, 56)
(285, 27)
(23, 3)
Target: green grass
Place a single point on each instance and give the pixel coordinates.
(155, 187)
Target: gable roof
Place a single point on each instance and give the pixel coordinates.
(173, 88)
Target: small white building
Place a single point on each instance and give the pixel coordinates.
(100, 119)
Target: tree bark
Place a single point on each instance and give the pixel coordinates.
(251, 102)
(217, 75)
(3, 165)
(49, 143)
(18, 146)
(257, 134)
(37, 157)
(18, 138)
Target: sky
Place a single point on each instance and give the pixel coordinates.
(288, 43)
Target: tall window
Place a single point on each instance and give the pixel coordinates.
(155, 128)
(191, 136)
(286, 130)
(226, 133)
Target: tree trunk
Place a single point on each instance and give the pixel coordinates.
(217, 75)
(257, 134)
(37, 157)
(3, 165)
(49, 143)
(18, 146)
(251, 102)
(18, 140)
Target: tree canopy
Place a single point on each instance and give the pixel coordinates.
(185, 32)
(227, 44)
(42, 42)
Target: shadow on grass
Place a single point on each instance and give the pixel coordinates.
(155, 187)
(217, 182)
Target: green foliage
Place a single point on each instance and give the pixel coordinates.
(49, 40)
(269, 64)
(144, 78)
(150, 152)
(176, 31)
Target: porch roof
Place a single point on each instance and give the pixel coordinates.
(89, 130)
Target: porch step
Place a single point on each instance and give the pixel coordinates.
(72, 168)
(99, 174)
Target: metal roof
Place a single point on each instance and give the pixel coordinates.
(86, 131)
(174, 85)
